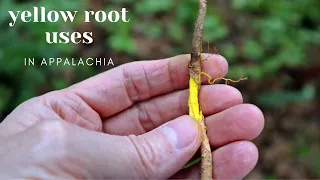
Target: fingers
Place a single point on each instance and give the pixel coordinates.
(157, 154)
(74, 152)
(154, 155)
(71, 108)
(150, 114)
(233, 161)
(54, 105)
(117, 89)
(241, 122)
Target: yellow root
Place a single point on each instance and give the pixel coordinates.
(193, 102)
(196, 113)
(212, 81)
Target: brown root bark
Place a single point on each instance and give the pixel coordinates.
(195, 63)
(195, 73)
(206, 156)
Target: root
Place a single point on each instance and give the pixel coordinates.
(194, 87)
(206, 156)
(195, 71)
(212, 81)
(196, 113)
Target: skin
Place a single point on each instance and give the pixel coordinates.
(130, 122)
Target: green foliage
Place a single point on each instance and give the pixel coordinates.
(252, 49)
(272, 176)
(19, 83)
(176, 32)
(6, 94)
(151, 7)
(301, 150)
(257, 37)
(267, 35)
(214, 29)
(285, 98)
(273, 34)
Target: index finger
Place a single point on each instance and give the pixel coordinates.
(117, 89)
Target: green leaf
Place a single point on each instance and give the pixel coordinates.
(153, 6)
(229, 51)
(151, 30)
(59, 83)
(192, 163)
(284, 98)
(6, 95)
(122, 43)
(214, 29)
(176, 32)
(246, 4)
(252, 49)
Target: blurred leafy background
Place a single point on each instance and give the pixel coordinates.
(276, 43)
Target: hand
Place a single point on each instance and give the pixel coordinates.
(130, 122)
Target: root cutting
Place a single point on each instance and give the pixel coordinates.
(195, 71)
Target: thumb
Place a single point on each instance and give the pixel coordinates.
(157, 154)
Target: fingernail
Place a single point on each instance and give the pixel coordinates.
(182, 132)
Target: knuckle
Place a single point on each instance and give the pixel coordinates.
(130, 85)
(52, 137)
(146, 156)
(50, 130)
(144, 118)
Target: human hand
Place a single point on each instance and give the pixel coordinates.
(130, 122)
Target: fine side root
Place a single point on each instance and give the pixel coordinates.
(215, 52)
(212, 81)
